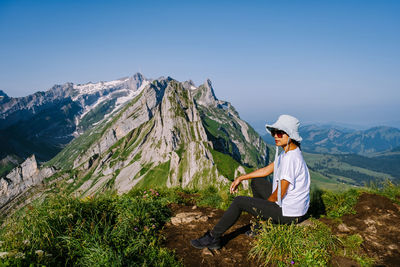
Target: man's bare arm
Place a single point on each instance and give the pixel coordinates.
(284, 187)
(262, 172)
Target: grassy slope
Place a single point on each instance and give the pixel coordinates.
(332, 167)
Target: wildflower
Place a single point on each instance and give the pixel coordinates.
(20, 255)
(3, 254)
(153, 226)
(136, 228)
(292, 262)
(26, 242)
(39, 252)
(144, 192)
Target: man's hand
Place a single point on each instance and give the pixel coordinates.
(234, 185)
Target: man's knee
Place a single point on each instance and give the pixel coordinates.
(254, 184)
(238, 199)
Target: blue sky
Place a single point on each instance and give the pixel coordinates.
(322, 61)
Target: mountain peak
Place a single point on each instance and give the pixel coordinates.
(3, 96)
(2, 93)
(138, 76)
(189, 85)
(204, 95)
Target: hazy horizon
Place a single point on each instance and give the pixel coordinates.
(319, 61)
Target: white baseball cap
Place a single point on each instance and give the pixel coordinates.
(288, 124)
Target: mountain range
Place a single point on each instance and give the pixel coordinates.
(339, 140)
(132, 132)
(44, 122)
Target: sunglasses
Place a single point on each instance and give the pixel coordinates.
(278, 133)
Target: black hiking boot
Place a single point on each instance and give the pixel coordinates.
(206, 241)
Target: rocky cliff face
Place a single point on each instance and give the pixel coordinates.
(161, 138)
(21, 178)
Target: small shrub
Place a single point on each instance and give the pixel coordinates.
(284, 245)
(337, 205)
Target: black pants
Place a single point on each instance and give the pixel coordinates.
(258, 206)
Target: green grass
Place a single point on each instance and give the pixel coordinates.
(226, 165)
(339, 204)
(6, 168)
(286, 245)
(108, 230)
(320, 181)
(111, 230)
(155, 176)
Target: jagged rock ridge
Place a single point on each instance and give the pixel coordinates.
(160, 139)
(21, 178)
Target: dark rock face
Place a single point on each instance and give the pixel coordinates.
(44, 133)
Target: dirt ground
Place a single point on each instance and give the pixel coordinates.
(377, 220)
(235, 243)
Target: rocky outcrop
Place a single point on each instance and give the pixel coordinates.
(205, 96)
(21, 178)
(227, 131)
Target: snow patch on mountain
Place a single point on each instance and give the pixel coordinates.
(90, 88)
(132, 94)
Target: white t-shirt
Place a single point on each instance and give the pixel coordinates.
(293, 168)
